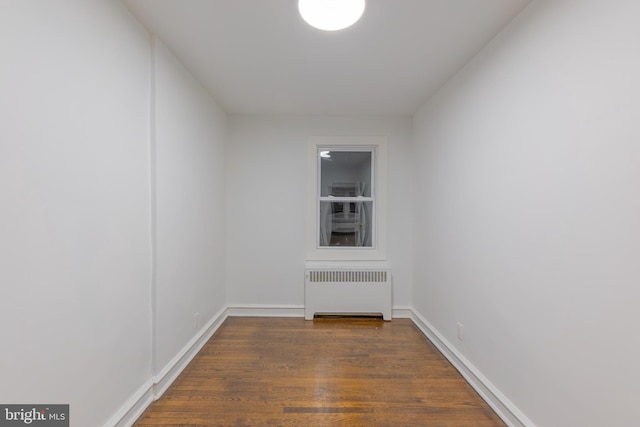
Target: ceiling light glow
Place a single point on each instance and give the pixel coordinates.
(331, 15)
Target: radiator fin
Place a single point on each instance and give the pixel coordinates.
(354, 276)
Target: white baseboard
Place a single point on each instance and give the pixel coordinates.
(152, 389)
(133, 407)
(170, 372)
(502, 406)
(402, 312)
(259, 310)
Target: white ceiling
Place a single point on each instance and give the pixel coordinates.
(259, 57)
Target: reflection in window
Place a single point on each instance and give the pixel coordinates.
(346, 198)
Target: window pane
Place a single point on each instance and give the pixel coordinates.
(346, 224)
(345, 173)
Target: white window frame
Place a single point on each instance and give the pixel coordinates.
(378, 250)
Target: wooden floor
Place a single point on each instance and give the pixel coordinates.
(326, 372)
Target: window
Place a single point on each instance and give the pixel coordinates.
(346, 197)
(346, 201)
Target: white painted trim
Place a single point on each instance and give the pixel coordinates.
(153, 202)
(263, 310)
(402, 312)
(131, 410)
(502, 406)
(170, 372)
(260, 310)
(379, 252)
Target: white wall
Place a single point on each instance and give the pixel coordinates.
(525, 227)
(527, 212)
(190, 132)
(266, 203)
(74, 190)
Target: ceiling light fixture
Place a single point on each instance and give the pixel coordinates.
(331, 15)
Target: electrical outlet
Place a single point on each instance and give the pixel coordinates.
(196, 320)
(460, 331)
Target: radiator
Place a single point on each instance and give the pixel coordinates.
(347, 291)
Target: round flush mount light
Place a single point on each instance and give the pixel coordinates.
(331, 15)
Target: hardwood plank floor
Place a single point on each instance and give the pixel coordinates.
(326, 372)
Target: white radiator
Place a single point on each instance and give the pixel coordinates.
(347, 291)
